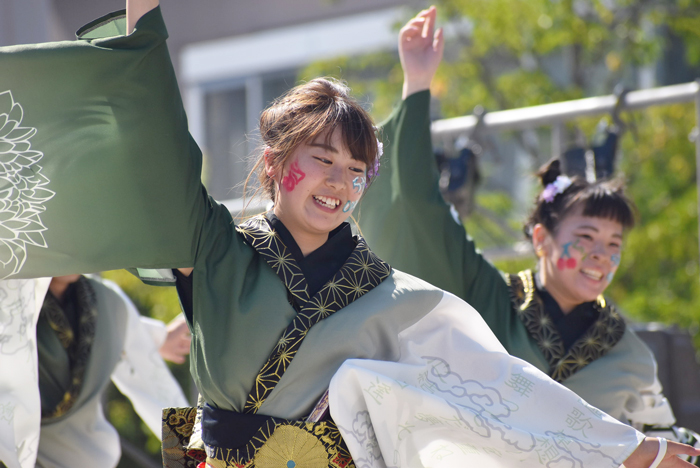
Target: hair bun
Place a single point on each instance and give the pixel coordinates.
(549, 172)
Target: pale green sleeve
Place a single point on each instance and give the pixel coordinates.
(99, 171)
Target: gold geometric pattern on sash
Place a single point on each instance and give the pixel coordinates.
(257, 233)
(362, 271)
(77, 347)
(595, 343)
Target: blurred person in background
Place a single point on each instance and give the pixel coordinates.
(88, 332)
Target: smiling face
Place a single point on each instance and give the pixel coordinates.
(578, 262)
(319, 187)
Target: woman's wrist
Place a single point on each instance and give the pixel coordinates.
(660, 454)
(644, 455)
(414, 86)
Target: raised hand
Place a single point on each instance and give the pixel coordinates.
(420, 49)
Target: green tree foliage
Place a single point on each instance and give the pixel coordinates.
(659, 280)
(515, 53)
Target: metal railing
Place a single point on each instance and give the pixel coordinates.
(556, 114)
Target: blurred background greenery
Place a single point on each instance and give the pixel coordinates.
(504, 54)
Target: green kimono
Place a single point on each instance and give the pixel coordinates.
(407, 222)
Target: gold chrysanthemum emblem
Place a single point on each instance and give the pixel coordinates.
(291, 447)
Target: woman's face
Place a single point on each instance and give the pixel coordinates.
(319, 188)
(579, 261)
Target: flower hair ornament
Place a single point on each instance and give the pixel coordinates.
(555, 188)
(374, 170)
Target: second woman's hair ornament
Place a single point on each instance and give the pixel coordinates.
(553, 189)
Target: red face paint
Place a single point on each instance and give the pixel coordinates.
(295, 176)
(569, 262)
(564, 263)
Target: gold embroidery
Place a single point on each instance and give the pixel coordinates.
(594, 344)
(361, 273)
(178, 424)
(287, 444)
(292, 444)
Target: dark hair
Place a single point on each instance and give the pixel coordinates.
(600, 199)
(304, 113)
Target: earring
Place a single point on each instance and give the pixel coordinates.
(539, 251)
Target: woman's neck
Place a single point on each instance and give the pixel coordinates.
(307, 241)
(563, 301)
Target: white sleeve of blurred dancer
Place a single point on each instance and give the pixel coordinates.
(142, 375)
(156, 329)
(20, 404)
(656, 410)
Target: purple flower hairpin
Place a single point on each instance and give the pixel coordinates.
(374, 170)
(555, 188)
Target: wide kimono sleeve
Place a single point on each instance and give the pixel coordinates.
(407, 223)
(456, 398)
(98, 170)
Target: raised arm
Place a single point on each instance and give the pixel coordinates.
(403, 215)
(135, 9)
(420, 50)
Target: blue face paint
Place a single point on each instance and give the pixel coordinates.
(615, 259)
(349, 206)
(565, 248)
(359, 184)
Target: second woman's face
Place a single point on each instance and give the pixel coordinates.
(320, 186)
(582, 258)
